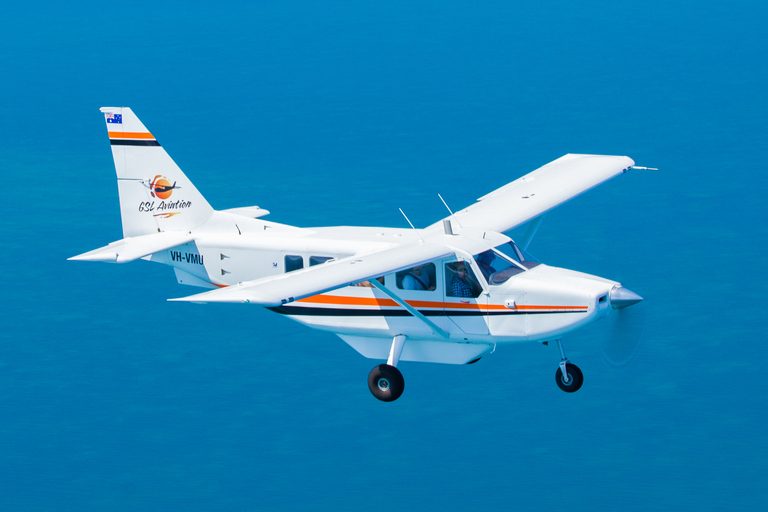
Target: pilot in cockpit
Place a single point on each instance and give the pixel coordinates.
(484, 261)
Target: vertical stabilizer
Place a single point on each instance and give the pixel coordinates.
(155, 195)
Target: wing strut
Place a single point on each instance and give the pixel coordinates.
(532, 229)
(409, 308)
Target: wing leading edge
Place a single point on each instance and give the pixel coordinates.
(539, 191)
(276, 290)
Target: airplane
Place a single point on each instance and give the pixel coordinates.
(447, 293)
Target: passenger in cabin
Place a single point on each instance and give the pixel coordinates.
(462, 284)
(417, 278)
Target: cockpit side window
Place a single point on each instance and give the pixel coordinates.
(460, 281)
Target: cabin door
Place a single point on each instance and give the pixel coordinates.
(464, 303)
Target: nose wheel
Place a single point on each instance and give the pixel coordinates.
(568, 376)
(571, 380)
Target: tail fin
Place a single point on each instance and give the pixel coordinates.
(155, 196)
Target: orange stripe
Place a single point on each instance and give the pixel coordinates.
(464, 305)
(430, 304)
(348, 301)
(131, 135)
(338, 300)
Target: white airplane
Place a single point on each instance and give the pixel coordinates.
(447, 293)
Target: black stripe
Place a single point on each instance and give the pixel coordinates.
(123, 142)
(310, 311)
(298, 310)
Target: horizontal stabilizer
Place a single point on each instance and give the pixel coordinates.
(254, 212)
(129, 249)
(280, 289)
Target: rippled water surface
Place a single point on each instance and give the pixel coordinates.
(325, 113)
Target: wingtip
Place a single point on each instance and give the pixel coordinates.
(88, 256)
(186, 299)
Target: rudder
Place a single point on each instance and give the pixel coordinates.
(155, 195)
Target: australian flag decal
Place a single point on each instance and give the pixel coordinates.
(115, 118)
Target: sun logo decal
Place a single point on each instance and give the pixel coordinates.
(161, 187)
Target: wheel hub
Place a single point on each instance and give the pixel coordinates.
(383, 384)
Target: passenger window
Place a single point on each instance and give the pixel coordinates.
(460, 281)
(293, 263)
(420, 277)
(317, 260)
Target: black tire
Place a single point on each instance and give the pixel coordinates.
(386, 383)
(575, 378)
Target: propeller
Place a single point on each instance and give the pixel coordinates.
(625, 327)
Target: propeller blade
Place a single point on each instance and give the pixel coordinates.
(625, 333)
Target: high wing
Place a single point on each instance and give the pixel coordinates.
(539, 191)
(284, 288)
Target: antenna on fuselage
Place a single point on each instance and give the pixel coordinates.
(452, 216)
(446, 204)
(411, 223)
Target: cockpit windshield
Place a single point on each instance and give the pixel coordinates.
(502, 262)
(511, 250)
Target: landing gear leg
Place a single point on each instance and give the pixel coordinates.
(385, 381)
(568, 376)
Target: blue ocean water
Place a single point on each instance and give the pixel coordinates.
(326, 113)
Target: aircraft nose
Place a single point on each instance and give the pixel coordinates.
(622, 297)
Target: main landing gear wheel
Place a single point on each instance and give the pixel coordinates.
(386, 383)
(573, 382)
